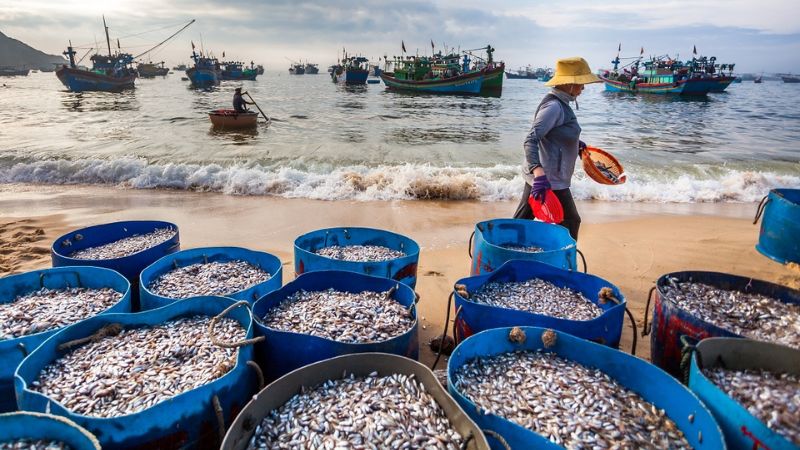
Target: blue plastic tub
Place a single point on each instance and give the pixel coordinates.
(670, 323)
(488, 252)
(28, 425)
(401, 269)
(647, 380)
(474, 317)
(265, 261)
(742, 430)
(187, 420)
(13, 351)
(129, 266)
(780, 226)
(283, 351)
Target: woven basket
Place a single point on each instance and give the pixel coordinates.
(594, 157)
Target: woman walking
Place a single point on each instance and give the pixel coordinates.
(553, 144)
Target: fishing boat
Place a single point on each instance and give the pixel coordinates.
(664, 75)
(259, 68)
(206, 71)
(13, 72)
(110, 73)
(452, 73)
(525, 74)
(297, 69)
(758, 79)
(230, 119)
(150, 69)
(311, 69)
(789, 78)
(705, 75)
(352, 71)
(234, 70)
(180, 68)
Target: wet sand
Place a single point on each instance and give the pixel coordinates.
(630, 245)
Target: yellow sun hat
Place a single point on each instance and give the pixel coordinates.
(573, 70)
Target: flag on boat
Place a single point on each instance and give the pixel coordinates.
(694, 50)
(403, 46)
(619, 49)
(641, 52)
(432, 46)
(223, 53)
(192, 44)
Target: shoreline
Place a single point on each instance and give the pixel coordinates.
(628, 244)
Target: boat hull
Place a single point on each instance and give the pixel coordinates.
(702, 86)
(351, 77)
(644, 88)
(493, 81)
(229, 119)
(232, 76)
(14, 72)
(77, 80)
(791, 79)
(513, 76)
(465, 84)
(203, 77)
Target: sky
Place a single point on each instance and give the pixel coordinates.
(762, 35)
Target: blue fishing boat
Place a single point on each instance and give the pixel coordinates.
(234, 70)
(664, 75)
(526, 73)
(206, 71)
(353, 70)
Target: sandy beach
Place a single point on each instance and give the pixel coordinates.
(629, 244)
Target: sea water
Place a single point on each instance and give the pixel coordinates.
(330, 142)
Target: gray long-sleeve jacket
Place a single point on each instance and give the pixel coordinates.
(553, 140)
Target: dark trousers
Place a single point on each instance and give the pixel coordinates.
(572, 220)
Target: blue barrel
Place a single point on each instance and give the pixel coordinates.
(129, 266)
(28, 425)
(401, 269)
(474, 317)
(488, 250)
(743, 431)
(650, 382)
(670, 323)
(187, 420)
(13, 351)
(280, 391)
(780, 226)
(267, 262)
(283, 351)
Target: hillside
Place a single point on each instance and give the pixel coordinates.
(14, 53)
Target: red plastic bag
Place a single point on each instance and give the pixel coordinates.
(550, 210)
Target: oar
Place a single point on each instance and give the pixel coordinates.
(259, 108)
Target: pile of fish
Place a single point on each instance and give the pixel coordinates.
(566, 402)
(126, 246)
(539, 297)
(355, 318)
(139, 367)
(360, 253)
(48, 309)
(772, 398)
(33, 444)
(523, 248)
(606, 172)
(361, 413)
(211, 278)
(751, 315)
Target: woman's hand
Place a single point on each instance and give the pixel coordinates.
(540, 187)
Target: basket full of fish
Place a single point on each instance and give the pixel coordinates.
(752, 388)
(540, 388)
(34, 305)
(369, 251)
(127, 247)
(232, 272)
(530, 293)
(700, 305)
(167, 378)
(368, 400)
(499, 240)
(35, 431)
(329, 313)
(780, 226)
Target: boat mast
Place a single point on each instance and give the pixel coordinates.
(108, 41)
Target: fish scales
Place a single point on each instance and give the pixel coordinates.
(126, 246)
(48, 309)
(360, 253)
(539, 297)
(139, 367)
(361, 317)
(524, 248)
(570, 404)
(751, 315)
(392, 411)
(211, 278)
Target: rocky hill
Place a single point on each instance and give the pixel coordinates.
(14, 53)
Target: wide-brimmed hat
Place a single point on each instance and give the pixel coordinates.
(573, 70)
(238, 89)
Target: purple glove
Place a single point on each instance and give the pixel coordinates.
(540, 187)
(581, 148)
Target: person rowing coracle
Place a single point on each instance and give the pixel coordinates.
(553, 144)
(239, 103)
